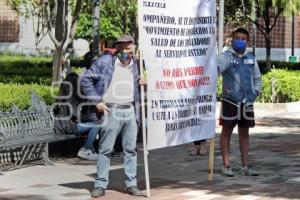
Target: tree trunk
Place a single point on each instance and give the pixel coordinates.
(268, 51)
(96, 14)
(61, 31)
(57, 64)
(60, 26)
(70, 48)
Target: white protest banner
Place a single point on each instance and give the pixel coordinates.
(178, 44)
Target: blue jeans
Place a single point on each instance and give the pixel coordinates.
(118, 121)
(92, 129)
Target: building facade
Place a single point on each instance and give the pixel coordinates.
(281, 39)
(17, 33)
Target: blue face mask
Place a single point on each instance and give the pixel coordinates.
(124, 56)
(239, 45)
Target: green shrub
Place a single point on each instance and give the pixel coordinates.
(278, 65)
(15, 62)
(20, 94)
(25, 69)
(286, 86)
(23, 54)
(26, 79)
(78, 70)
(20, 62)
(28, 69)
(219, 88)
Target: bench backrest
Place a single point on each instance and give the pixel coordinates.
(25, 123)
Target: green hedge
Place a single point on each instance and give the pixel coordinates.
(28, 69)
(19, 74)
(20, 94)
(26, 79)
(21, 62)
(287, 86)
(15, 62)
(25, 69)
(278, 65)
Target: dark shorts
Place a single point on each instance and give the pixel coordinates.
(232, 114)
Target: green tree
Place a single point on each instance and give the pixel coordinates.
(117, 17)
(54, 15)
(57, 15)
(234, 13)
(269, 11)
(96, 19)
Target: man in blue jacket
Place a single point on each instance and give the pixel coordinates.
(241, 85)
(112, 84)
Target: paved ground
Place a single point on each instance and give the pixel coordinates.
(174, 175)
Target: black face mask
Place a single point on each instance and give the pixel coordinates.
(124, 56)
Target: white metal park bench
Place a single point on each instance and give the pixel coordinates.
(24, 135)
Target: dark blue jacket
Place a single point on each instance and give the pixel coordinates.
(96, 80)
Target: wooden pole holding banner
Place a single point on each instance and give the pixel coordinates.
(144, 127)
(221, 26)
(220, 46)
(211, 159)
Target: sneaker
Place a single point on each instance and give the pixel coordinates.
(98, 192)
(226, 171)
(249, 171)
(202, 149)
(87, 154)
(194, 151)
(134, 191)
